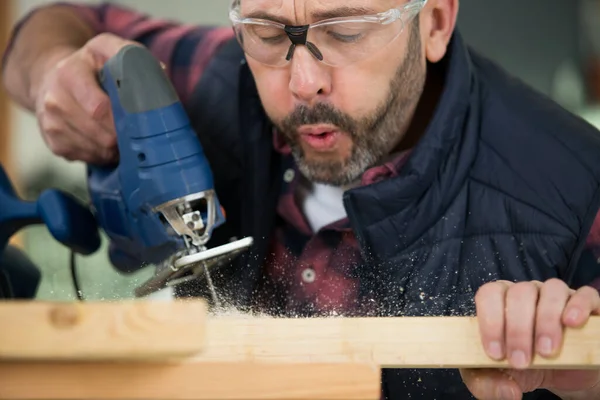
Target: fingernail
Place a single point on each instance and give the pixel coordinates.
(505, 392)
(545, 345)
(495, 350)
(573, 315)
(518, 359)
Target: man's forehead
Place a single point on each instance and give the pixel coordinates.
(289, 11)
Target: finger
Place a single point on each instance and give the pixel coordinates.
(60, 138)
(90, 128)
(66, 139)
(572, 380)
(85, 106)
(489, 302)
(67, 113)
(95, 106)
(490, 384)
(100, 153)
(106, 45)
(521, 301)
(78, 78)
(65, 145)
(554, 295)
(583, 303)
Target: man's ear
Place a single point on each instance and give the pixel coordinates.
(438, 21)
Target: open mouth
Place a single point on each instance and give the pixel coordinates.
(320, 137)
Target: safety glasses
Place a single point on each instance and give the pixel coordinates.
(336, 41)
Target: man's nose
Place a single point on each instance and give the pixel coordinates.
(309, 79)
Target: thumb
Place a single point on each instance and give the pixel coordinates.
(105, 46)
(491, 384)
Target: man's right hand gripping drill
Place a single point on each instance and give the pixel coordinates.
(72, 110)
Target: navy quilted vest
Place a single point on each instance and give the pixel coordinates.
(504, 185)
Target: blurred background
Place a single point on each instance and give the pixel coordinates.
(554, 45)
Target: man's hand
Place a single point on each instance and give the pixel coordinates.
(73, 112)
(518, 320)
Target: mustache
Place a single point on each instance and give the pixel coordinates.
(319, 114)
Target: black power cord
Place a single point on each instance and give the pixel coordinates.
(74, 278)
(73, 265)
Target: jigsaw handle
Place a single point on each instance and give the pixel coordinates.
(160, 160)
(158, 148)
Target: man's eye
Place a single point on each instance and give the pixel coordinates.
(272, 39)
(346, 38)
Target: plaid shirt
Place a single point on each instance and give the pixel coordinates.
(306, 272)
(312, 273)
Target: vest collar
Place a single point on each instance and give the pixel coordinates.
(434, 166)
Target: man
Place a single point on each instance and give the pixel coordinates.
(382, 167)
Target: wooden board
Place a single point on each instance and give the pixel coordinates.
(139, 329)
(155, 350)
(408, 342)
(130, 330)
(239, 381)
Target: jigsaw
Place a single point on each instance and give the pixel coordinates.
(158, 204)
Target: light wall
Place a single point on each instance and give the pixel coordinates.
(531, 38)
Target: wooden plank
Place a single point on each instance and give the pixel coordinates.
(184, 381)
(403, 342)
(231, 356)
(129, 330)
(140, 329)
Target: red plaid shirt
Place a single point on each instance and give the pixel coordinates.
(313, 272)
(306, 271)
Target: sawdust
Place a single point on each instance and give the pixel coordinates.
(227, 310)
(235, 313)
(232, 312)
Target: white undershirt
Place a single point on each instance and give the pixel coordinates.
(323, 204)
(320, 204)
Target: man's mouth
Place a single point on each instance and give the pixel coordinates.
(320, 137)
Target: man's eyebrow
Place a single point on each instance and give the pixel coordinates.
(342, 12)
(316, 16)
(259, 14)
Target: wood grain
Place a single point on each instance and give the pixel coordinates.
(148, 330)
(137, 350)
(415, 342)
(184, 381)
(129, 330)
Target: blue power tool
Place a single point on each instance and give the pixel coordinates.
(158, 205)
(68, 220)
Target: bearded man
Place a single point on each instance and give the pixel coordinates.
(382, 167)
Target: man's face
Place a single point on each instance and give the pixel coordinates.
(340, 120)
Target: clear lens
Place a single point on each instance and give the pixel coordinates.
(266, 43)
(338, 44)
(345, 43)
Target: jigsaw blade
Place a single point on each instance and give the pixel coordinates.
(197, 266)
